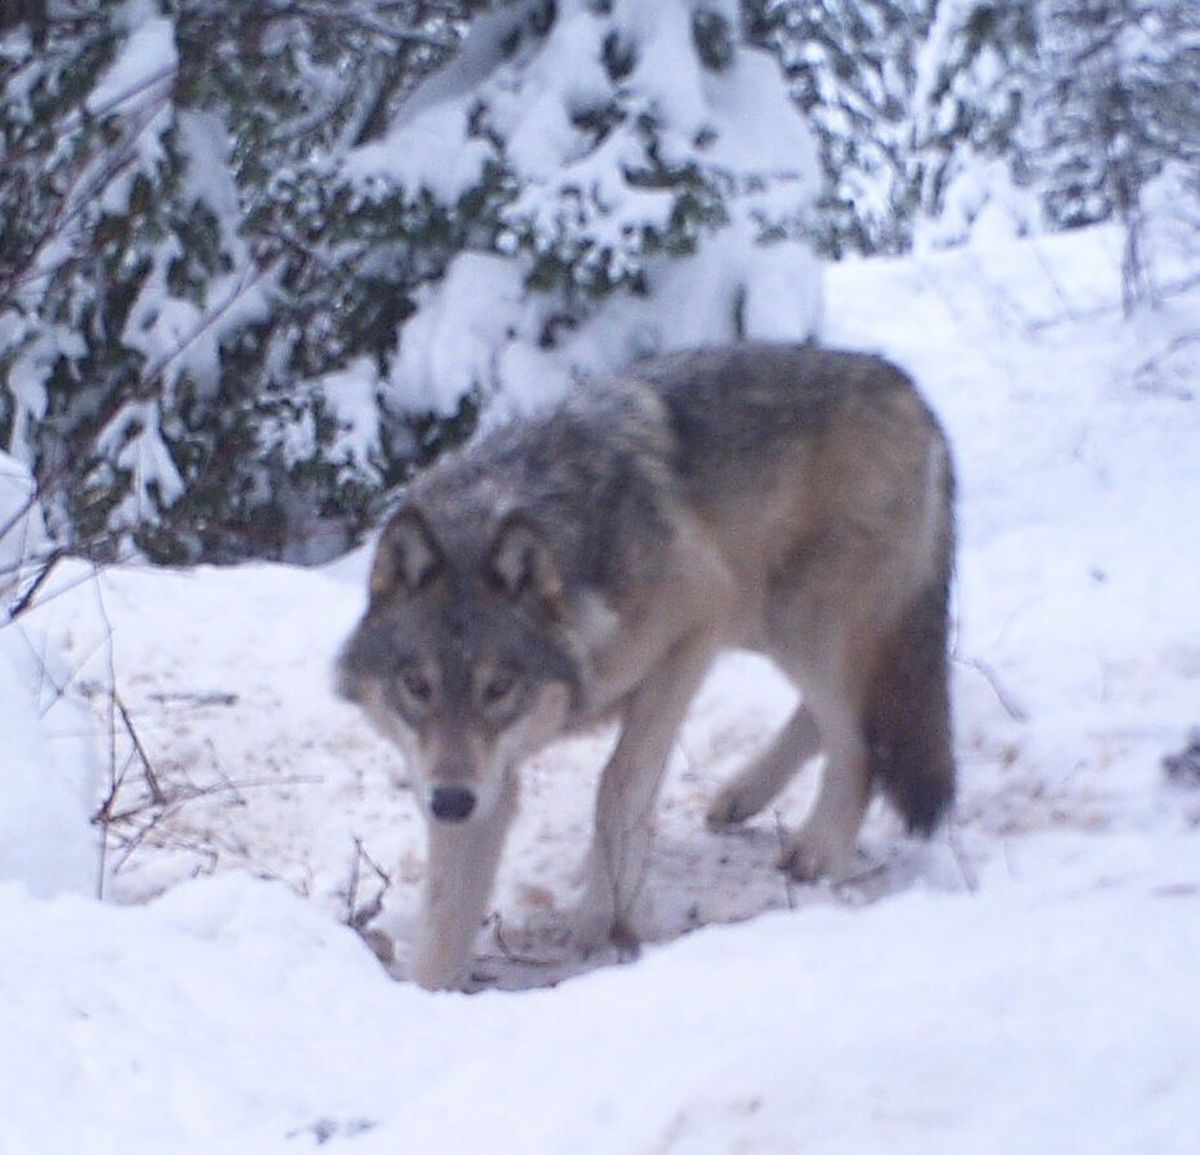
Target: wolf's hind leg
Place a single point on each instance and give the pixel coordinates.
(460, 871)
(762, 780)
(825, 845)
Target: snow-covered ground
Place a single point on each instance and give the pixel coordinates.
(1027, 983)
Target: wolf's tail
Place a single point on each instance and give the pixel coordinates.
(907, 715)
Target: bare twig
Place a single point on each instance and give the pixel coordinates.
(197, 698)
(130, 843)
(359, 917)
(496, 922)
(789, 885)
(26, 599)
(127, 830)
(191, 793)
(1011, 708)
(970, 878)
(156, 793)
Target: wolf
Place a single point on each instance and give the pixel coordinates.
(588, 564)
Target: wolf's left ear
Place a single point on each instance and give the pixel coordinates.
(521, 565)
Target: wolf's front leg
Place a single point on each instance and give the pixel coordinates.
(624, 826)
(460, 871)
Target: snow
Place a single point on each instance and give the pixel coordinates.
(586, 156)
(232, 1018)
(146, 58)
(1026, 982)
(478, 329)
(49, 769)
(22, 531)
(46, 839)
(427, 152)
(448, 349)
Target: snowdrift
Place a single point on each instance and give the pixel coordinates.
(1025, 983)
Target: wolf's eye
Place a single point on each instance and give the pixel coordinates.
(416, 686)
(498, 688)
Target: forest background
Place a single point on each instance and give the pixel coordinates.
(260, 262)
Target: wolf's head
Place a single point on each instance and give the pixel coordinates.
(460, 658)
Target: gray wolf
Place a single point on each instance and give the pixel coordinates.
(589, 563)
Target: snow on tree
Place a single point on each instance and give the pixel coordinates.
(252, 271)
(1119, 100)
(174, 277)
(974, 75)
(260, 262)
(627, 178)
(853, 65)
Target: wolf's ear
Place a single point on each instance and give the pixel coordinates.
(522, 566)
(408, 557)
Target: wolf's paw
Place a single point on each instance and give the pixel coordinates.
(589, 939)
(809, 856)
(589, 927)
(594, 926)
(730, 808)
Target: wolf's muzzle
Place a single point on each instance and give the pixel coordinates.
(451, 803)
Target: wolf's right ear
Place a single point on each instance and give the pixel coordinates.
(408, 557)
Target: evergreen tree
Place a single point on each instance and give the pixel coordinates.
(1119, 99)
(241, 245)
(976, 71)
(854, 70)
(258, 262)
(177, 271)
(606, 164)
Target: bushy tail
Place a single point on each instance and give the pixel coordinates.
(908, 713)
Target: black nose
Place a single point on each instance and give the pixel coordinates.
(451, 803)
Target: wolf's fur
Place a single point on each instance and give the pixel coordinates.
(590, 563)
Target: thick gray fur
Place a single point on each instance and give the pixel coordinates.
(590, 563)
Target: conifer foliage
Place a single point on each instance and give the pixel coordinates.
(258, 262)
(1118, 102)
(179, 271)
